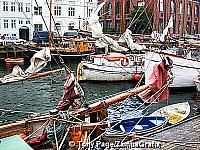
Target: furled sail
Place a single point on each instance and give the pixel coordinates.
(126, 37)
(96, 28)
(38, 62)
(72, 91)
(165, 31)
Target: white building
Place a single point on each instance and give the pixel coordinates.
(19, 18)
(16, 18)
(66, 14)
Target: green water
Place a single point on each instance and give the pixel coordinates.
(42, 94)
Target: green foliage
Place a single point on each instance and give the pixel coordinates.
(142, 18)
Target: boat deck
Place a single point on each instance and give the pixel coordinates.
(184, 135)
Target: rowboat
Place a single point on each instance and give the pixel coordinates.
(175, 112)
(140, 125)
(111, 67)
(14, 60)
(131, 128)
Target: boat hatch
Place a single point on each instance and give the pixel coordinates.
(14, 142)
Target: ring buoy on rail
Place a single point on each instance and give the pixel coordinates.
(125, 61)
(90, 45)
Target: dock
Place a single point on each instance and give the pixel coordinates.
(184, 135)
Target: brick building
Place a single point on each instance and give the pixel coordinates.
(116, 14)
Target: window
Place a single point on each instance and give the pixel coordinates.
(172, 7)
(14, 35)
(28, 7)
(5, 23)
(110, 9)
(12, 7)
(57, 27)
(37, 10)
(189, 9)
(89, 12)
(71, 11)
(38, 27)
(20, 7)
(180, 12)
(117, 8)
(161, 5)
(71, 26)
(28, 22)
(127, 7)
(71, 2)
(196, 11)
(57, 10)
(13, 23)
(20, 21)
(5, 6)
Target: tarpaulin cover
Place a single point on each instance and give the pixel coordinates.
(156, 81)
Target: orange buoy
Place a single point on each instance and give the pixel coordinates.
(137, 77)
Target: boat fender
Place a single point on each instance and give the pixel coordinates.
(137, 77)
(125, 62)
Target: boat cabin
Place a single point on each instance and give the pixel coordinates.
(117, 59)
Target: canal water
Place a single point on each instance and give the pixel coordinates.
(42, 94)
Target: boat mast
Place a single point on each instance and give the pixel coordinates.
(50, 36)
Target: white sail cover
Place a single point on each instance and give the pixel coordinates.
(94, 23)
(165, 31)
(126, 37)
(96, 28)
(38, 62)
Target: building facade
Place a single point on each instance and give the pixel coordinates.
(16, 18)
(185, 14)
(19, 18)
(116, 14)
(66, 14)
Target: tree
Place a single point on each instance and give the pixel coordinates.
(141, 23)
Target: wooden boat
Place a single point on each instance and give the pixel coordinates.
(111, 67)
(69, 47)
(14, 60)
(175, 112)
(77, 132)
(184, 69)
(140, 125)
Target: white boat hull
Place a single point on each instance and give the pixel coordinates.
(184, 70)
(92, 72)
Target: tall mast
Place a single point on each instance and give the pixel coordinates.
(50, 36)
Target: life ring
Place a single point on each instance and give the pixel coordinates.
(89, 45)
(125, 62)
